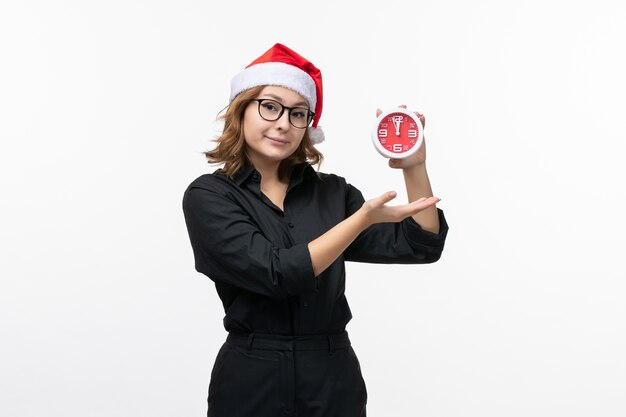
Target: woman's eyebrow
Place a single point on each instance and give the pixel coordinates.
(278, 98)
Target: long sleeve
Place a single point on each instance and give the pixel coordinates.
(403, 242)
(229, 247)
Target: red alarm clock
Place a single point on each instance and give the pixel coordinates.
(397, 133)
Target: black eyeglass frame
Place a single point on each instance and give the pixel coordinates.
(310, 114)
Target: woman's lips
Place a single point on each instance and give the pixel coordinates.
(277, 141)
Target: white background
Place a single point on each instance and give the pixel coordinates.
(105, 108)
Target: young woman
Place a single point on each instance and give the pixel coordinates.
(273, 234)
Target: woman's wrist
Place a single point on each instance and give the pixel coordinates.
(415, 169)
(361, 219)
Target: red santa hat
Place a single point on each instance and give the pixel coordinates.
(285, 68)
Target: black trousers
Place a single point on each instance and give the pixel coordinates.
(263, 375)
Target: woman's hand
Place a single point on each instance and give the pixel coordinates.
(419, 157)
(375, 211)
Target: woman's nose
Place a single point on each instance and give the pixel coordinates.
(283, 120)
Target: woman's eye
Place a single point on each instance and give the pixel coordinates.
(269, 106)
(299, 114)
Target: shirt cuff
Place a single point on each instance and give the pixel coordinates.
(297, 270)
(423, 238)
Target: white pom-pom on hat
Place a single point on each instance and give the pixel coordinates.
(317, 135)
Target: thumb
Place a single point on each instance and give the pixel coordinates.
(386, 197)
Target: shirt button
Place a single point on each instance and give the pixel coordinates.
(290, 225)
(255, 176)
(306, 303)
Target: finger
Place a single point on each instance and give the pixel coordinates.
(421, 117)
(423, 202)
(415, 207)
(420, 203)
(378, 112)
(402, 212)
(428, 199)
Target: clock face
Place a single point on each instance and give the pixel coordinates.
(397, 133)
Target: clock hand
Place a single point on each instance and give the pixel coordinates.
(396, 122)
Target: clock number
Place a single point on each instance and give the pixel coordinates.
(412, 133)
(382, 133)
(397, 147)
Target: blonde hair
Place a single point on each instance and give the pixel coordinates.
(231, 144)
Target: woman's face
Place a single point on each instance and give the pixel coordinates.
(272, 141)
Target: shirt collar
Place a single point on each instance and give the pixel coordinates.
(241, 175)
(299, 173)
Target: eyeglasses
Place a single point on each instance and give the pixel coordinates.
(271, 110)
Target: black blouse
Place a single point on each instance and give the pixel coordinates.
(258, 257)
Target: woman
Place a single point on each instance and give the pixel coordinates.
(273, 235)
